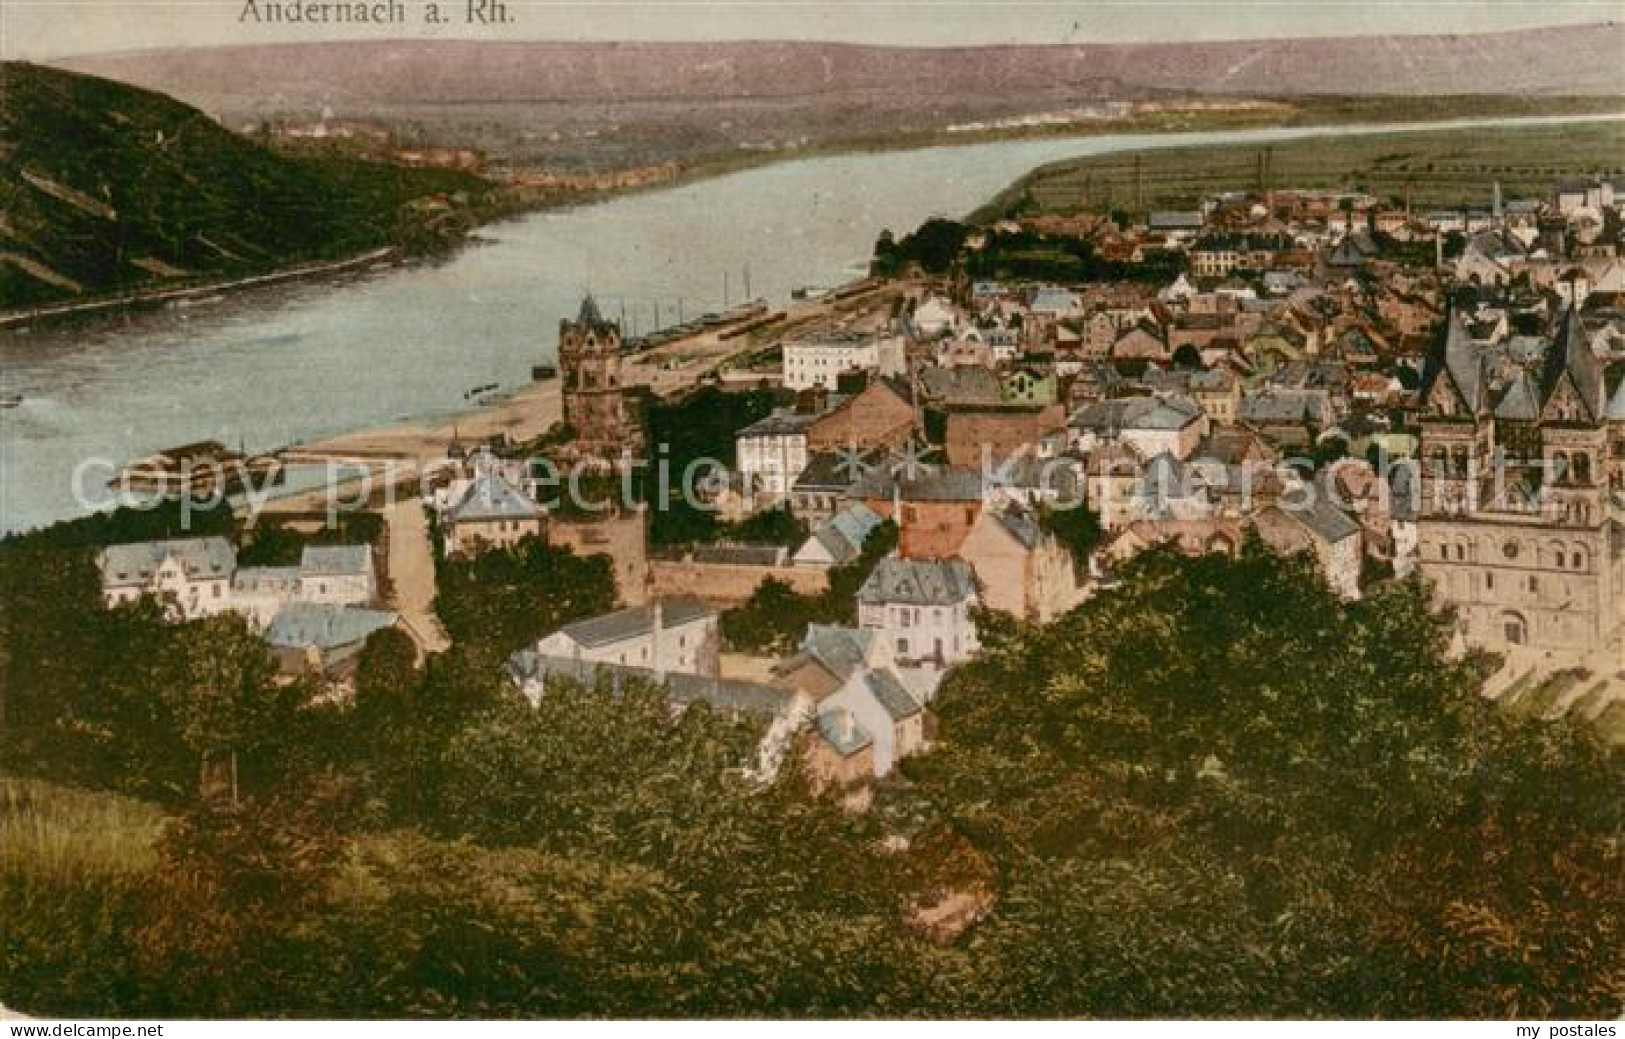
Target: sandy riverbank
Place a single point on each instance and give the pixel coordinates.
(523, 415)
(531, 410)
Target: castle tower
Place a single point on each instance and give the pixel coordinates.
(595, 406)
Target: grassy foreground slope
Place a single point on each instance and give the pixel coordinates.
(109, 188)
(1439, 167)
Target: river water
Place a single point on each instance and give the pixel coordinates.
(273, 366)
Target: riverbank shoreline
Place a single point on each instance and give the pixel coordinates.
(165, 296)
(377, 350)
(525, 200)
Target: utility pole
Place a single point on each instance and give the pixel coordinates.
(748, 296)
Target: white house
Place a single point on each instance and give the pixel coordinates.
(934, 316)
(490, 513)
(676, 635)
(861, 696)
(193, 573)
(820, 360)
(840, 538)
(341, 575)
(201, 577)
(1150, 425)
(921, 608)
(772, 453)
(332, 575)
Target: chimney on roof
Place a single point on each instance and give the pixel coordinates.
(812, 400)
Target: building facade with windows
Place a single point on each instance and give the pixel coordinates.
(1517, 511)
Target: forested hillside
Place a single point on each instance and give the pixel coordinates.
(109, 188)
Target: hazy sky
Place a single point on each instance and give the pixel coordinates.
(41, 29)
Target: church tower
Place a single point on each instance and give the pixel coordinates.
(595, 407)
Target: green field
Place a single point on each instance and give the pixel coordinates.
(1437, 167)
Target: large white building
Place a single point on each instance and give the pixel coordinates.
(1172, 423)
(922, 609)
(820, 360)
(192, 573)
(199, 577)
(677, 635)
(331, 575)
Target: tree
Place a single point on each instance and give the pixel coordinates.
(1077, 528)
(386, 672)
(1188, 357)
(223, 698)
(503, 599)
(771, 620)
(1303, 783)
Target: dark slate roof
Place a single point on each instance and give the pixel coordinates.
(765, 701)
(334, 560)
(897, 701)
(928, 483)
(844, 533)
(1165, 413)
(591, 317)
(949, 483)
(636, 620)
(1327, 520)
(324, 626)
(835, 470)
(918, 582)
(842, 731)
(1457, 356)
(490, 497)
(199, 558)
(1273, 405)
(1021, 525)
(838, 650)
(1172, 220)
(741, 555)
(589, 314)
(1519, 403)
(1572, 354)
(781, 423)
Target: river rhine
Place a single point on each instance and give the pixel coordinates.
(270, 367)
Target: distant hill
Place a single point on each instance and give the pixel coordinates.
(106, 187)
(1566, 60)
